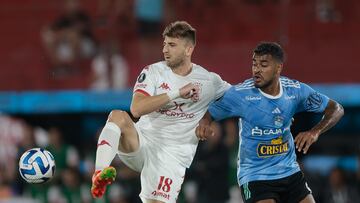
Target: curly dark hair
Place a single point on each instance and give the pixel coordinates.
(271, 48)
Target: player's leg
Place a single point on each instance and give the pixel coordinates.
(298, 190)
(129, 140)
(118, 133)
(153, 201)
(161, 177)
(308, 199)
(264, 191)
(266, 201)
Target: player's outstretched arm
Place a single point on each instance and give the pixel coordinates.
(142, 104)
(332, 114)
(203, 130)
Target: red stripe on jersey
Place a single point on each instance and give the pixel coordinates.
(142, 92)
(103, 142)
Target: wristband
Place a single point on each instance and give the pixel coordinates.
(173, 94)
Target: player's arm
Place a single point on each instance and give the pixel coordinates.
(219, 110)
(203, 130)
(143, 104)
(332, 114)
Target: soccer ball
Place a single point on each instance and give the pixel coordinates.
(37, 165)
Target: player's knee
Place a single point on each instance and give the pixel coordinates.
(120, 118)
(153, 201)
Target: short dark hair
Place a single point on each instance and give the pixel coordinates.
(180, 29)
(271, 48)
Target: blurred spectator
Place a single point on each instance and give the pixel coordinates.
(65, 155)
(5, 189)
(262, 1)
(235, 195)
(116, 194)
(12, 131)
(327, 12)
(150, 16)
(27, 142)
(55, 195)
(115, 17)
(338, 190)
(69, 40)
(212, 167)
(109, 69)
(231, 141)
(115, 25)
(129, 183)
(110, 11)
(71, 185)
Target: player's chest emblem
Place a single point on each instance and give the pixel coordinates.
(278, 121)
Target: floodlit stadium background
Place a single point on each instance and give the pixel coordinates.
(56, 87)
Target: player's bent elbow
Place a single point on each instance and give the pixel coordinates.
(135, 112)
(340, 110)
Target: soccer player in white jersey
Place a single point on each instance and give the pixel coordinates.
(170, 97)
(265, 105)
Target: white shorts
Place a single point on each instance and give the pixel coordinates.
(161, 175)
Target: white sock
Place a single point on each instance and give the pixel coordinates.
(107, 146)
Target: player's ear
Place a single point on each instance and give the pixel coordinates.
(189, 50)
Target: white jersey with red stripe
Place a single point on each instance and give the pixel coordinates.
(172, 128)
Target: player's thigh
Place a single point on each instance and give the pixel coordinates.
(265, 191)
(297, 189)
(136, 159)
(152, 201)
(129, 140)
(161, 177)
(308, 199)
(266, 201)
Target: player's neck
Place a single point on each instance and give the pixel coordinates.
(273, 89)
(184, 69)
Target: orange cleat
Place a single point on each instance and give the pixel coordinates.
(101, 179)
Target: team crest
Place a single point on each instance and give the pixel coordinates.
(278, 121)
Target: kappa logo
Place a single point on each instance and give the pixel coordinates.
(164, 86)
(276, 111)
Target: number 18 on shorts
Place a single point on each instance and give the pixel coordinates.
(162, 183)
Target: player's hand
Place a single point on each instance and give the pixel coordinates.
(203, 130)
(190, 91)
(305, 139)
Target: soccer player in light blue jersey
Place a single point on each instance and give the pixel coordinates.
(265, 105)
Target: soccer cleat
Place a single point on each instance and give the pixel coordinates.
(101, 179)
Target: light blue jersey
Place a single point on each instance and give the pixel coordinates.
(266, 147)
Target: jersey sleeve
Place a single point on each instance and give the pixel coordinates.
(145, 82)
(311, 100)
(225, 107)
(220, 85)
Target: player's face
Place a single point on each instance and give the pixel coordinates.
(265, 70)
(175, 51)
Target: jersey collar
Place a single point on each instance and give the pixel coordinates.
(270, 96)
